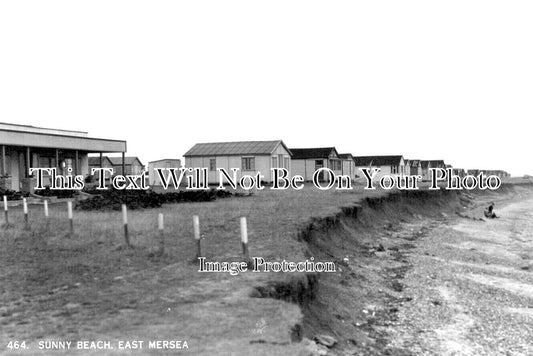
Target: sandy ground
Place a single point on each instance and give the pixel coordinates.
(471, 285)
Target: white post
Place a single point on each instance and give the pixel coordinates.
(244, 231)
(125, 222)
(196, 226)
(124, 214)
(26, 222)
(244, 240)
(70, 216)
(5, 211)
(161, 227)
(160, 222)
(69, 205)
(46, 215)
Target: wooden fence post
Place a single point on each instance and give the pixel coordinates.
(244, 240)
(26, 220)
(46, 216)
(196, 225)
(161, 228)
(125, 222)
(6, 212)
(70, 217)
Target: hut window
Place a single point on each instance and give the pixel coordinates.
(248, 163)
(286, 159)
(212, 164)
(394, 169)
(275, 162)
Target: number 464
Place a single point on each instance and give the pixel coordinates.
(16, 345)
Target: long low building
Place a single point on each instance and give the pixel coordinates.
(250, 157)
(24, 147)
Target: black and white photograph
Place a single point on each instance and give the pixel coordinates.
(266, 178)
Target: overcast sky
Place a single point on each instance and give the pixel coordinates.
(448, 80)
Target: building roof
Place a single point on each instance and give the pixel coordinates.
(31, 136)
(95, 161)
(412, 162)
(345, 156)
(165, 159)
(37, 129)
(128, 161)
(312, 153)
(239, 148)
(377, 160)
(437, 162)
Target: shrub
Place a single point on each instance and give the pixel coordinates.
(113, 199)
(60, 193)
(12, 194)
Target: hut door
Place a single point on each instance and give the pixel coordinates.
(319, 163)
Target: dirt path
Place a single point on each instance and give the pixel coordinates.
(472, 287)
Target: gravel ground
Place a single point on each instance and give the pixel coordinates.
(471, 285)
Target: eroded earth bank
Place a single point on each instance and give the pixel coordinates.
(423, 273)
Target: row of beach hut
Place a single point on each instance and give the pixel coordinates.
(252, 157)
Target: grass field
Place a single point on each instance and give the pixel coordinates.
(90, 287)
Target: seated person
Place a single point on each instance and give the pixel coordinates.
(489, 212)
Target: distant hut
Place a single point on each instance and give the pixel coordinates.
(413, 167)
(95, 162)
(250, 157)
(132, 165)
(389, 165)
(305, 161)
(153, 177)
(428, 164)
(459, 172)
(348, 164)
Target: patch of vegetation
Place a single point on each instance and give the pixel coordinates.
(12, 194)
(140, 199)
(59, 193)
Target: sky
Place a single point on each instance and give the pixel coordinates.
(448, 80)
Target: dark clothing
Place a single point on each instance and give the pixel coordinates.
(489, 212)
